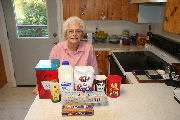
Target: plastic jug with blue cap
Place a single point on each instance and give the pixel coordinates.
(65, 75)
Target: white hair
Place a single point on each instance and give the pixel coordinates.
(73, 20)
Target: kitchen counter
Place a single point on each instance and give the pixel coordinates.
(137, 101)
(116, 47)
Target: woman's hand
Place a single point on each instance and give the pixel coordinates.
(35, 91)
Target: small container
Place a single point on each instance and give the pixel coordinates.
(141, 41)
(55, 93)
(113, 85)
(126, 41)
(133, 38)
(100, 83)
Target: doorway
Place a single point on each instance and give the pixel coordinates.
(26, 52)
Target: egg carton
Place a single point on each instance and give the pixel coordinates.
(84, 97)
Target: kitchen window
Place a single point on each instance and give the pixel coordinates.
(31, 18)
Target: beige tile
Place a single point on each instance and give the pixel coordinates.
(15, 102)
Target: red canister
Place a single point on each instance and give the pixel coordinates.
(113, 85)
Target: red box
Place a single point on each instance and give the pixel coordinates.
(46, 72)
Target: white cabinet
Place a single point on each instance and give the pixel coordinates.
(149, 14)
(145, 13)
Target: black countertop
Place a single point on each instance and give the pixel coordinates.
(139, 60)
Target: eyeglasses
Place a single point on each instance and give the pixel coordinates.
(77, 31)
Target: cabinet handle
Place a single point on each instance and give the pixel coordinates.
(97, 55)
(82, 13)
(55, 43)
(54, 34)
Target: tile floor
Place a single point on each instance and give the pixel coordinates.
(15, 102)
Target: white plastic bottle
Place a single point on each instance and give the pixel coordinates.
(65, 75)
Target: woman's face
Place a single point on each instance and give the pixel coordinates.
(74, 33)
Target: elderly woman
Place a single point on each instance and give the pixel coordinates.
(77, 52)
(74, 50)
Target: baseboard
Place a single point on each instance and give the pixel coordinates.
(26, 85)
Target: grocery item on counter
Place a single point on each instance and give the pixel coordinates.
(84, 97)
(134, 38)
(141, 41)
(77, 109)
(100, 83)
(149, 35)
(125, 34)
(125, 38)
(46, 74)
(100, 36)
(65, 75)
(113, 85)
(55, 93)
(114, 39)
(84, 78)
(126, 41)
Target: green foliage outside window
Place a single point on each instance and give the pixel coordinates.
(31, 14)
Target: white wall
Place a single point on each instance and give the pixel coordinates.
(6, 50)
(116, 27)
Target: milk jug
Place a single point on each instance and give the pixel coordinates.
(65, 75)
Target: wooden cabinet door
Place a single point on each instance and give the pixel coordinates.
(71, 8)
(106, 63)
(133, 12)
(3, 78)
(74, 8)
(117, 9)
(65, 9)
(99, 58)
(96, 9)
(103, 63)
(87, 9)
(172, 17)
(93, 9)
(100, 9)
